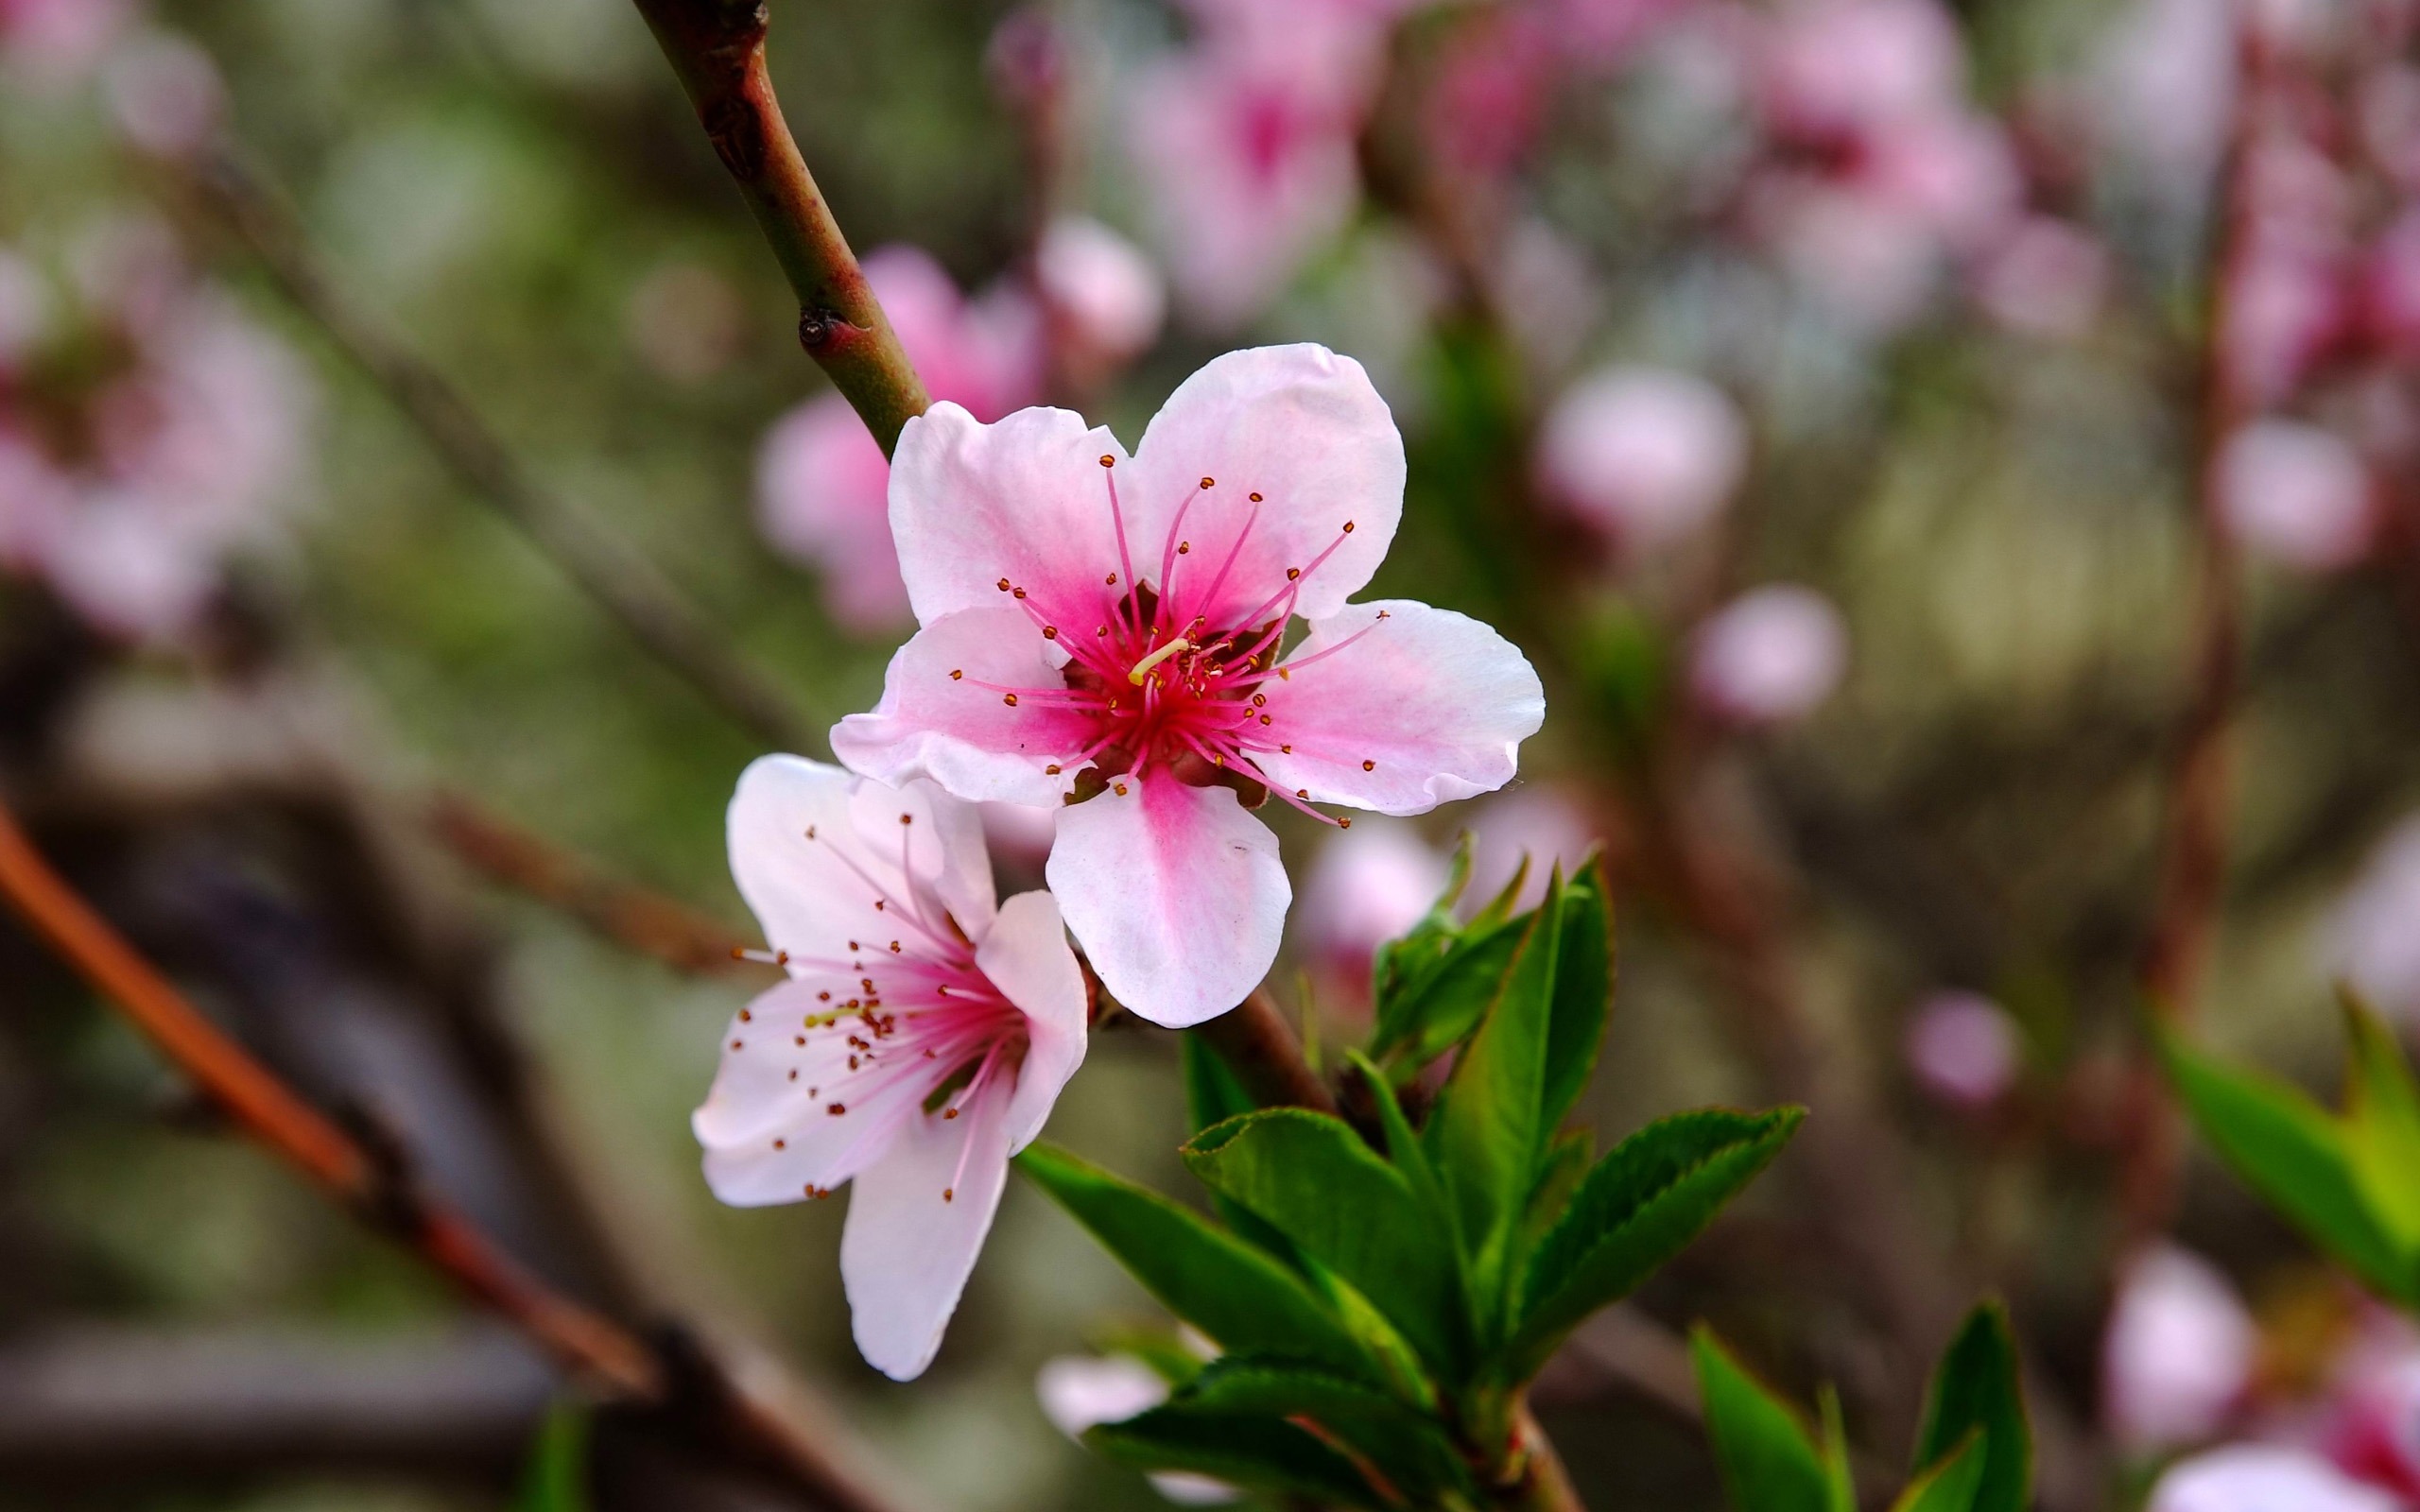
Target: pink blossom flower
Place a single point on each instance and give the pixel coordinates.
(1081, 1391)
(2376, 1435)
(1104, 297)
(2297, 493)
(1963, 1049)
(1370, 885)
(2262, 1478)
(1112, 631)
(56, 43)
(1770, 656)
(1844, 68)
(2178, 1355)
(2047, 279)
(1247, 141)
(822, 484)
(921, 1040)
(1646, 454)
(165, 95)
(2374, 938)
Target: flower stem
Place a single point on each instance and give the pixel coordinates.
(1544, 1484)
(717, 47)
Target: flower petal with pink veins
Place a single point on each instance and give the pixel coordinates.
(1176, 893)
(1026, 957)
(767, 1136)
(1302, 428)
(936, 838)
(803, 897)
(966, 736)
(1422, 707)
(1024, 500)
(906, 1249)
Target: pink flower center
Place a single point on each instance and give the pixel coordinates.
(1158, 682)
(924, 1030)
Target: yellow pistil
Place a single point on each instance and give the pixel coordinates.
(1143, 668)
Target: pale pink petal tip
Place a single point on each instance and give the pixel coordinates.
(1771, 655)
(2265, 1478)
(2179, 1352)
(2296, 492)
(1107, 296)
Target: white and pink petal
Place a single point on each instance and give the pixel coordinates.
(1175, 892)
(917, 1219)
(1026, 957)
(945, 716)
(1398, 707)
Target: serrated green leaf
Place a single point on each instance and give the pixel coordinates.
(1763, 1448)
(2382, 1126)
(1977, 1389)
(1403, 1144)
(1264, 1454)
(1411, 1449)
(1584, 992)
(2289, 1150)
(1637, 1208)
(1948, 1487)
(1240, 1296)
(1484, 1136)
(1311, 1178)
(556, 1478)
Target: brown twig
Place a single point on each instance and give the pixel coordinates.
(1258, 1045)
(717, 47)
(372, 1183)
(2193, 847)
(630, 916)
(624, 583)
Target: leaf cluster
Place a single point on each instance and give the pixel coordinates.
(2350, 1182)
(1382, 1296)
(1974, 1452)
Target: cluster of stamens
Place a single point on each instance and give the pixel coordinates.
(921, 1013)
(1155, 681)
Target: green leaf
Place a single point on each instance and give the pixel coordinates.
(1636, 1209)
(1436, 1006)
(556, 1478)
(1212, 1094)
(1262, 1454)
(1311, 1178)
(1243, 1299)
(1977, 1389)
(1410, 1450)
(1840, 1480)
(1584, 991)
(2287, 1149)
(1403, 1144)
(1567, 1158)
(1948, 1487)
(1485, 1135)
(2382, 1126)
(1767, 1456)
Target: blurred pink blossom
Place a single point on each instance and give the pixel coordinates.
(2048, 279)
(1842, 69)
(1081, 1391)
(823, 487)
(56, 43)
(1370, 885)
(1538, 823)
(2376, 1431)
(1248, 140)
(129, 505)
(2263, 1478)
(2373, 936)
(165, 95)
(1104, 297)
(2297, 493)
(2390, 293)
(1647, 454)
(2165, 89)
(2179, 1352)
(1963, 1049)
(1770, 656)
